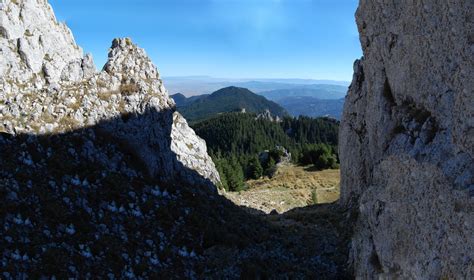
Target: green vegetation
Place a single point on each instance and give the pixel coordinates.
(236, 133)
(235, 142)
(314, 197)
(322, 156)
(255, 169)
(307, 130)
(230, 99)
(232, 175)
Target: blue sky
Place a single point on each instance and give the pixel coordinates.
(315, 39)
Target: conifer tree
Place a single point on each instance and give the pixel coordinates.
(255, 169)
(235, 140)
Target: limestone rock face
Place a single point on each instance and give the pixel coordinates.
(407, 141)
(34, 47)
(48, 86)
(267, 115)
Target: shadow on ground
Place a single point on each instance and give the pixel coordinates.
(87, 204)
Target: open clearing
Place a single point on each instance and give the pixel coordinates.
(290, 187)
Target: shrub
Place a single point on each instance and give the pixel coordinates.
(319, 155)
(314, 197)
(270, 167)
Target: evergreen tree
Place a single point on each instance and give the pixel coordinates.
(270, 166)
(255, 169)
(234, 175)
(234, 141)
(221, 167)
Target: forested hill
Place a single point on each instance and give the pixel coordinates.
(179, 99)
(235, 140)
(236, 133)
(307, 130)
(182, 100)
(229, 99)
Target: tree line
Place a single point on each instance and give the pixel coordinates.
(236, 141)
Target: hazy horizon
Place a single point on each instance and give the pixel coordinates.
(198, 85)
(190, 77)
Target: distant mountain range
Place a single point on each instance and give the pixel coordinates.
(182, 100)
(229, 99)
(312, 107)
(313, 100)
(326, 90)
(310, 100)
(198, 85)
(319, 91)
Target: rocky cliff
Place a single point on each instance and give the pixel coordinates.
(101, 178)
(407, 141)
(35, 48)
(47, 86)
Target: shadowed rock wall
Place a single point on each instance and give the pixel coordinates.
(407, 140)
(47, 86)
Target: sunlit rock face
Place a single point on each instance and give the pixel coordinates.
(407, 141)
(48, 86)
(34, 45)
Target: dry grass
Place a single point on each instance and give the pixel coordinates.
(47, 118)
(67, 123)
(77, 105)
(129, 89)
(102, 83)
(105, 95)
(290, 187)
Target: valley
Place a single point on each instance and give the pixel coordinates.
(312, 107)
(247, 146)
(104, 175)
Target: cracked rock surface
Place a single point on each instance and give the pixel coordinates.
(407, 141)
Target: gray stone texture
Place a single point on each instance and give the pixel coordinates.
(407, 141)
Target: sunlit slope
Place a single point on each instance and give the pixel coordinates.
(291, 186)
